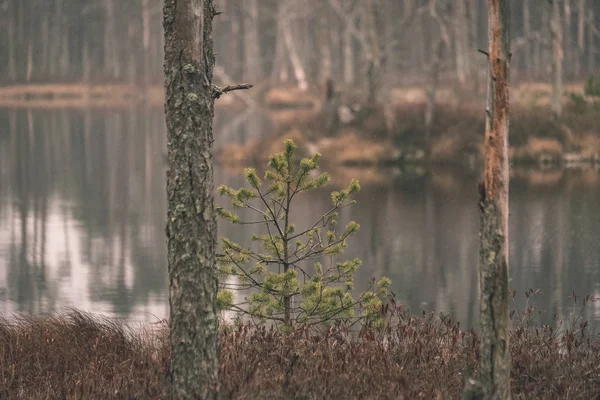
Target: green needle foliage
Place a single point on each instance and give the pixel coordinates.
(294, 278)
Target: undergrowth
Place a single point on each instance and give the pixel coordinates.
(78, 355)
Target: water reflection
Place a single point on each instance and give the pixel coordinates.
(82, 210)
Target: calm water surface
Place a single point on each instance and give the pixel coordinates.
(82, 210)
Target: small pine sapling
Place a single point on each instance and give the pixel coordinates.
(286, 279)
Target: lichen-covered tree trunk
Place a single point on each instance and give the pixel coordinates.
(191, 226)
(494, 362)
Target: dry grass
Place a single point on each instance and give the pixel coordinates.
(79, 356)
(290, 96)
(350, 148)
(80, 95)
(76, 356)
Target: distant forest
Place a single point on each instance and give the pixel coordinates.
(303, 42)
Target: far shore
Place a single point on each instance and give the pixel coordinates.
(537, 137)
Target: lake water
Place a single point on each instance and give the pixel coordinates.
(82, 211)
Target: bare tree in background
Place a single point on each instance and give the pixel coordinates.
(494, 359)
(252, 58)
(435, 66)
(70, 41)
(461, 41)
(556, 30)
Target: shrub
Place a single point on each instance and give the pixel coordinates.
(283, 287)
(578, 103)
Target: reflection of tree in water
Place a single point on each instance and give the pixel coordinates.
(423, 234)
(92, 183)
(107, 189)
(27, 265)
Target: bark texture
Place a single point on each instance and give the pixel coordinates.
(494, 363)
(191, 226)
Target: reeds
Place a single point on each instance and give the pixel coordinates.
(78, 355)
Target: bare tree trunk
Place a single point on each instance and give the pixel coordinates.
(297, 66)
(539, 50)
(85, 59)
(375, 63)
(111, 56)
(146, 40)
(279, 68)
(526, 33)
(191, 225)
(494, 361)
(11, 42)
(348, 53)
(44, 39)
(461, 40)
(592, 45)
(324, 49)
(567, 40)
(580, 37)
(234, 44)
(472, 43)
(430, 91)
(436, 54)
(252, 60)
(29, 58)
(557, 58)
(335, 49)
(64, 44)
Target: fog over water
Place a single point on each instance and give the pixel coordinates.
(82, 211)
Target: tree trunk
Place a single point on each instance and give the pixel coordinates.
(146, 40)
(494, 362)
(111, 61)
(461, 40)
(592, 45)
(191, 227)
(324, 49)
(580, 37)
(348, 57)
(44, 37)
(375, 62)
(557, 59)
(526, 33)
(279, 67)
(430, 91)
(64, 55)
(12, 75)
(252, 60)
(29, 70)
(234, 44)
(539, 49)
(85, 59)
(295, 60)
(567, 40)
